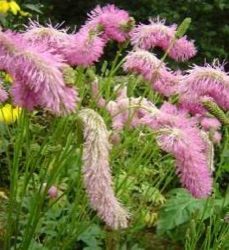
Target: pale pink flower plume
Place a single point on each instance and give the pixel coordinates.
(210, 80)
(3, 93)
(168, 83)
(209, 149)
(112, 21)
(157, 34)
(96, 95)
(153, 70)
(96, 171)
(192, 105)
(85, 48)
(210, 123)
(178, 135)
(37, 76)
(144, 63)
(189, 150)
(128, 111)
(182, 50)
(52, 36)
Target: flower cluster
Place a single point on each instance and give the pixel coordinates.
(112, 22)
(210, 80)
(153, 70)
(41, 62)
(157, 34)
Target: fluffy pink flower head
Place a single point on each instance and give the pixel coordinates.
(182, 50)
(168, 116)
(144, 63)
(188, 148)
(127, 110)
(114, 23)
(168, 83)
(52, 36)
(178, 135)
(153, 70)
(97, 173)
(211, 81)
(85, 48)
(210, 123)
(37, 76)
(193, 106)
(157, 34)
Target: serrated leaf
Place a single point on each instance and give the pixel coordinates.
(179, 209)
(91, 237)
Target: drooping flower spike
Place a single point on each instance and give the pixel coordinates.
(96, 171)
(210, 80)
(37, 76)
(157, 34)
(85, 48)
(210, 123)
(114, 23)
(144, 63)
(52, 36)
(189, 150)
(178, 135)
(153, 70)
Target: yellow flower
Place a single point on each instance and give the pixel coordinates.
(4, 6)
(12, 6)
(9, 114)
(8, 78)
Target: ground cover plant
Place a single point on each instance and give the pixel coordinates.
(122, 154)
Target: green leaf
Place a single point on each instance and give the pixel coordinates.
(92, 238)
(179, 209)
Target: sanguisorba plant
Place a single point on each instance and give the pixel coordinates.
(60, 117)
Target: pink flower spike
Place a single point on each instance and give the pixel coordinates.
(84, 49)
(188, 148)
(182, 50)
(168, 83)
(37, 75)
(211, 81)
(144, 63)
(111, 20)
(208, 123)
(97, 173)
(51, 36)
(157, 34)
